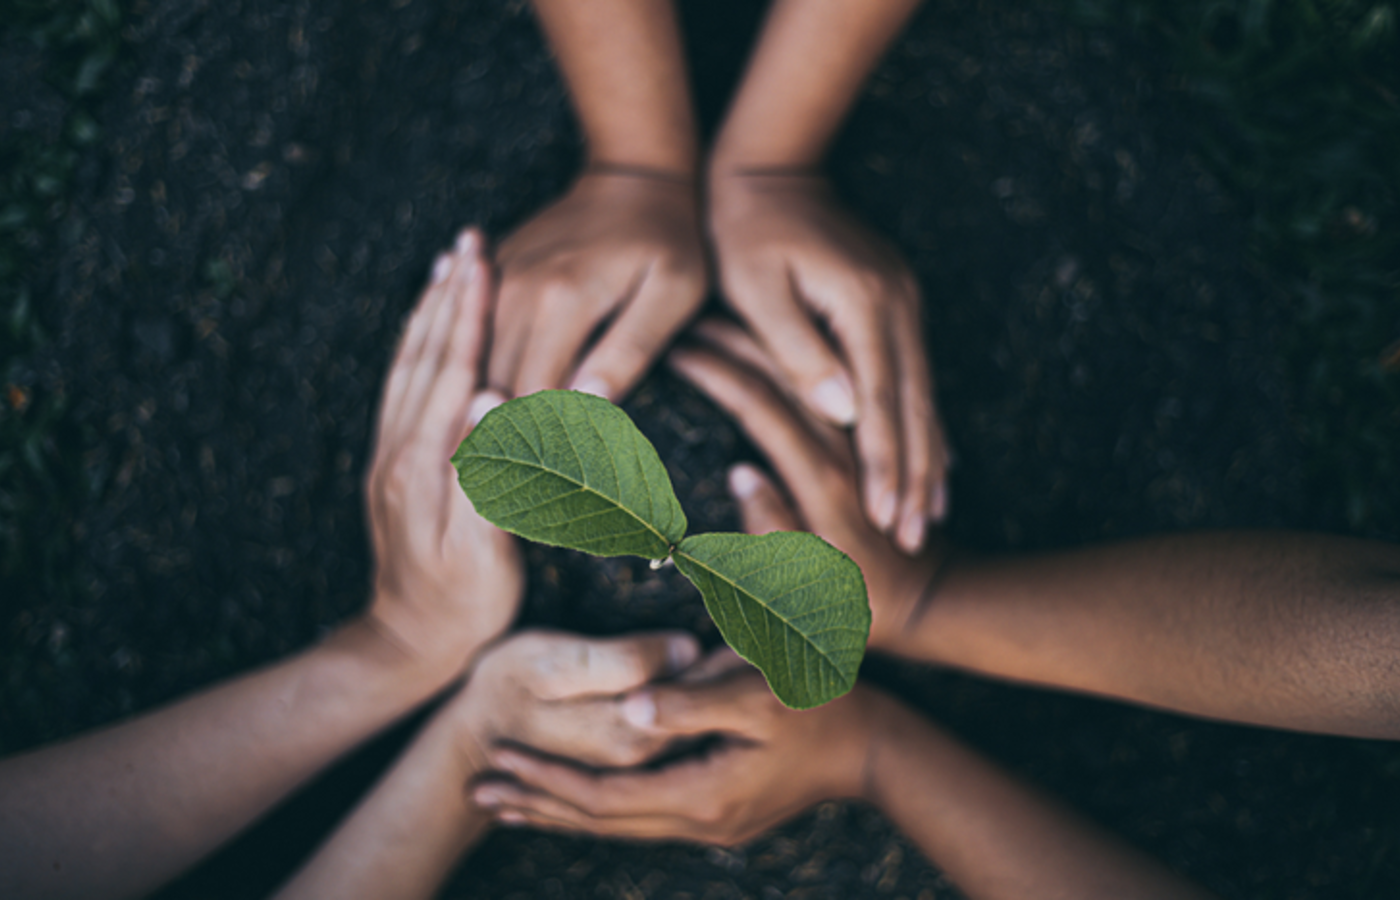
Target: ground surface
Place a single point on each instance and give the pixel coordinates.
(275, 178)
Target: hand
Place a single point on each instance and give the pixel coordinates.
(815, 462)
(794, 264)
(564, 695)
(446, 581)
(622, 246)
(771, 763)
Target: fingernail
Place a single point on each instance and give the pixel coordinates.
(885, 509)
(510, 817)
(442, 268)
(938, 503)
(467, 242)
(681, 653)
(487, 797)
(835, 399)
(592, 385)
(639, 710)
(911, 532)
(482, 404)
(744, 482)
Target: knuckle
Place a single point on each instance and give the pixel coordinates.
(632, 665)
(916, 479)
(881, 392)
(396, 477)
(559, 290)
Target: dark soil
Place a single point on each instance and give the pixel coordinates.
(274, 181)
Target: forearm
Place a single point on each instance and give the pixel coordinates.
(403, 840)
(809, 66)
(625, 69)
(1274, 628)
(119, 811)
(994, 836)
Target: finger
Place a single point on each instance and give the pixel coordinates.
(938, 497)
(923, 458)
(634, 340)
(446, 408)
(658, 792)
(733, 341)
(431, 358)
(870, 348)
(515, 805)
(481, 404)
(568, 312)
(719, 662)
(761, 508)
(566, 666)
(591, 731)
(770, 308)
(411, 344)
(510, 330)
(793, 453)
(738, 703)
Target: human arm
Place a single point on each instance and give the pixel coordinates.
(835, 305)
(992, 835)
(556, 693)
(621, 249)
(121, 810)
(1280, 629)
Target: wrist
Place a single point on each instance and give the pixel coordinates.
(735, 155)
(660, 175)
(897, 621)
(736, 194)
(677, 160)
(388, 657)
(891, 724)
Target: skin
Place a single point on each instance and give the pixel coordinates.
(1287, 630)
(120, 810)
(555, 693)
(995, 837)
(836, 306)
(621, 253)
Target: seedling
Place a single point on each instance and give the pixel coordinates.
(571, 470)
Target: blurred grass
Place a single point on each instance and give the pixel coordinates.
(40, 475)
(1297, 108)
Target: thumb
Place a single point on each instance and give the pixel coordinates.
(739, 704)
(573, 666)
(761, 508)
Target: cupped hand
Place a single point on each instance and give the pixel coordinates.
(566, 695)
(838, 311)
(815, 464)
(446, 580)
(768, 764)
(621, 251)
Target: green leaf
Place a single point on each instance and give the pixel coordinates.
(570, 469)
(788, 602)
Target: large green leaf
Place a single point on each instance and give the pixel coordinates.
(570, 469)
(788, 602)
